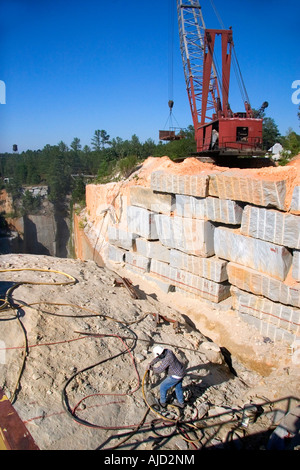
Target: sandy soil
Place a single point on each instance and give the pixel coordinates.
(78, 391)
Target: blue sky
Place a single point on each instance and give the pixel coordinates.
(73, 66)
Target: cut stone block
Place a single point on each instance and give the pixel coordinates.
(260, 255)
(148, 199)
(141, 221)
(193, 236)
(192, 185)
(211, 208)
(140, 263)
(258, 283)
(152, 249)
(280, 317)
(163, 270)
(205, 288)
(190, 206)
(115, 254)
(295, 204)
(163, 285)
(237, 186)
(271, 225)
(296, 265)
(120, 237)
(224, 211)
(210, 268)
(213, 291)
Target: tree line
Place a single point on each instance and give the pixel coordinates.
(65, 169)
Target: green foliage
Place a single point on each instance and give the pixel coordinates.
(100, 139)
(178, 148)
(78, 191)
(3, 223)
(270, 133)
(127, 164)
(291, 143)
(30, 204)
(58, 178)
(66, 169)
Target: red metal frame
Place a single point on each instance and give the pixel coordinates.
(240, 131)
(231, 135)
(209, 94)
(209, 45)
(13, 433)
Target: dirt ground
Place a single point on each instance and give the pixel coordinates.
(75, 390)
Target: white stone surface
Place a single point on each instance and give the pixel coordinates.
(211, 268)
(141, 221)
(271, 225)
(260, 255)
(193, 236)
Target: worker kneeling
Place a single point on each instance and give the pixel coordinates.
(176, 371)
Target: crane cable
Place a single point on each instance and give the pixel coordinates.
(236, 66)
(171, 50)
(171, 67)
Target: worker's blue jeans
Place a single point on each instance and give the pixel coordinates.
(167, 384)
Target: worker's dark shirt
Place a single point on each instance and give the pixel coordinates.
(168, 362)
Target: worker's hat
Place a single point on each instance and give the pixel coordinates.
(157, 350)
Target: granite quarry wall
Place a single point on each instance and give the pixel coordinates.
(216, 234)
(46, 232)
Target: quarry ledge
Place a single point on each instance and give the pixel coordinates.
(220, 324)
(165, 209)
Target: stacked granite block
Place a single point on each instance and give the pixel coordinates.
(193, 236)
(215, 236)
(191, 185)
(295, 204)
(271, 225)
(260, 255)
(186, 281)
(237, 185)
(210, 208)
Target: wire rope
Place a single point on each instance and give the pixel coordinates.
(237, 69)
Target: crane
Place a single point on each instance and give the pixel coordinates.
(218, 130)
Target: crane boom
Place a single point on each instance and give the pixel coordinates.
(192, 39)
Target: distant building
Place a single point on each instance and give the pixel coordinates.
(276, 151)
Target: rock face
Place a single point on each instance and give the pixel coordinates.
(188, 225)
(45, 233)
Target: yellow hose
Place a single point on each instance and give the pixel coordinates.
(73, 280)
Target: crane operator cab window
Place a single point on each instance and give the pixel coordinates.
(242, 134)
